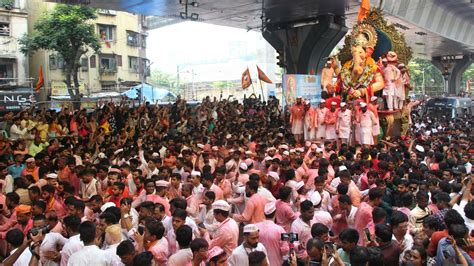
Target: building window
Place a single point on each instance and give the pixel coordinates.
(108, 63)
(84, 64)
(93, 61)
(133, 38)
(143, 41)
(4, 29)
(56, 62)
(106, 32)
(52, 62)
(133, 64)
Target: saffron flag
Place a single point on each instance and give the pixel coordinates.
(246, 79)
(40, 82)
(364, 10)
(263, 77)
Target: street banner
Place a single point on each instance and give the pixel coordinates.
(306, 86)
(16, 100)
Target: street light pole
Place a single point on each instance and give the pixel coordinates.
(423, 85)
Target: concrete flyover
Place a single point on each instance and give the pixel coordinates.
(305, 31)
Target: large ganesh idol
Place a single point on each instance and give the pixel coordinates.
(360, 77)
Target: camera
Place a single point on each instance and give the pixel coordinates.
(34, 231)
(329, 247)
(290, 237)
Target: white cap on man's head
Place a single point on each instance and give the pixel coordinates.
(333, 103)
(315, 198)
(52, 176)
(322, 101)
(195, 173)
(342, 168)
(162, 183)
(250, 228)
(243, 166)
(274, 175)
(373, 98)
(343, 104)
(221, 205)
(269, 208)
(362, 104)
(419, 148)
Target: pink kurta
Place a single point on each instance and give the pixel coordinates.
(217, 191)
(363, 218)
(304, 235)
(296, 118)
(270, 237)
(160, 251)
(284, 215)
(253, 212)
(330, 119)
(226, 236)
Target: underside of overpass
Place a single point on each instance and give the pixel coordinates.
(306, 31)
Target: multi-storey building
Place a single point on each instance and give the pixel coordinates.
(13, 25)
(121, 62)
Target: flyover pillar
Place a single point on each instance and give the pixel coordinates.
(304, 45)
(452, 68)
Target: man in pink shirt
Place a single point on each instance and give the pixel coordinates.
(227, 233)
(193, 204)
(284, 213)
(363, 216)
(330, 119)
(321, 127)
(270, 236)
(156, 243)
(354, 191)
(223, 183)
(159, 196)
(310, 122)
(297, 112)
(253, 212)
(302, 226)
(373, 107)
(208, 183)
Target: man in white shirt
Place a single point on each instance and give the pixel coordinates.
(90, 254)
(17, 131)
(240, 255)
(74, 242)
(14, 239)
(49, 253)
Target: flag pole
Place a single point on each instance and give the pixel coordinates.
(261, 88)
(253, 88)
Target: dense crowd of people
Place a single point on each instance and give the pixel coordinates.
(228, 183)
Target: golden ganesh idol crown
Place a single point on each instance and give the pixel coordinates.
(364, 35)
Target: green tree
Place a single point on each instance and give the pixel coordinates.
(220, 84)
(468, 75)
(160, 78)
(433, 79)
(67, 31)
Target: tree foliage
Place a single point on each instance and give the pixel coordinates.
(433, 79)
(67, 31)
(468, 75)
